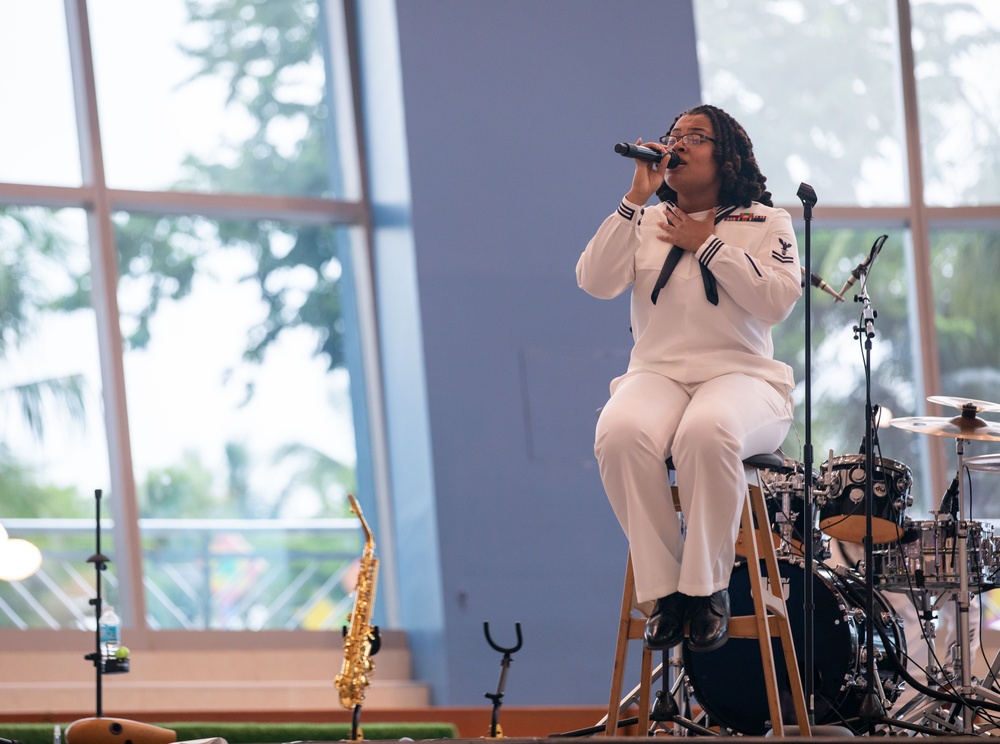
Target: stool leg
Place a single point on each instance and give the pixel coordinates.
(763, 629)
(621, 650)
(629, 628)
(770, 619)
(771, 611)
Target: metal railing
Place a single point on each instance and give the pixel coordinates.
(198, 574)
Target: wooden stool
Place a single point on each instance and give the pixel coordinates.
(770, 618)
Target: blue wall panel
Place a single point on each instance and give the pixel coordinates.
(512, 109)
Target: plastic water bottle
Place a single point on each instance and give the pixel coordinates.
(56, 735)
(109, 627)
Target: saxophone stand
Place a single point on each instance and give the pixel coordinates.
(497, 697)
(374, 641)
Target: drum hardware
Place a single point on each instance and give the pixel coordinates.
(783, 493)
(672, 705)
(963, 428)
(934, 710)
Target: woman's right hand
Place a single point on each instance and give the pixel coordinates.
(648, 177)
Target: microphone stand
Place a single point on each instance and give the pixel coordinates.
(871, 708)
(807, 195)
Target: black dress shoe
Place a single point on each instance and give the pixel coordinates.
(709, 621)
(665, 626)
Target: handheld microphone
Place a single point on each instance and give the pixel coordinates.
(865, 266)
(818, 282)
(638, 152)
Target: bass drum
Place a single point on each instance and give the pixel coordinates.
(729, 682)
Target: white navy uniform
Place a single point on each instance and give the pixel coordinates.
(702, 385)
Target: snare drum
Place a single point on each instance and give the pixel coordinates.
(926, 557)
(843, 514)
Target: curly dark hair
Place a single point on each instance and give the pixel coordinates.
(742, 181)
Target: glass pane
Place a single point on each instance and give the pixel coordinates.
(38, 141)
(53, 451)
(966, 309)
(956, 50)
(816, 87)
(221, 97)
(241, 420)
(839, 358)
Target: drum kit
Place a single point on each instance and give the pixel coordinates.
(927, 563)
(849, 640)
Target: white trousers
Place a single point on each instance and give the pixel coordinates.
(708, 429)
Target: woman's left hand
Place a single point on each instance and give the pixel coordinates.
(684, 231)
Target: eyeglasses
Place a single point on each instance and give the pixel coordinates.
(690, 140)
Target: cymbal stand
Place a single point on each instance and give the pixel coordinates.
(969, 693)
(973, 696)
(962, 599)
(967, 690)
(933, 712)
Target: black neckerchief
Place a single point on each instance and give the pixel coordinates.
(674, 256)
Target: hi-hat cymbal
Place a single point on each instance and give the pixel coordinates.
(986, 463)
(976, 406)
(959, 427)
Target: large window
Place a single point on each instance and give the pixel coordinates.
(181, 215)
(846, 125)
(898, 137)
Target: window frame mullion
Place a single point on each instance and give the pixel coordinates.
(122, 506)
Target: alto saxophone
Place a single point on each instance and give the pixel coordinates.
(361, 639)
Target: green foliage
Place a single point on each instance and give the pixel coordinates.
(838, 357)
(23, 494)
(260, 49)
(319, 473)
(269, 56)
(36, 256)
(181, 490)
(967, 306)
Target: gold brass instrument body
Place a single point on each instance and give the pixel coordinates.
(361, 638)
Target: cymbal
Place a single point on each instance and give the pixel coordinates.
(959, 427)
(977, 406)
(986, 463)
